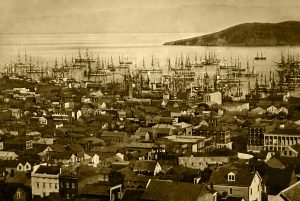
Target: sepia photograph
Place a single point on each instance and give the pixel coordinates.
(149, 100)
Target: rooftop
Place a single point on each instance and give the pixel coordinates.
(168, 191)
(42, 169)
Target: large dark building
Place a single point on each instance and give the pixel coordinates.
(68, 186)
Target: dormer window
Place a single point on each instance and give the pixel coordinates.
(231, 176)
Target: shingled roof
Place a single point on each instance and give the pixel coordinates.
(143, 165)
(243, 175)
(164, 190)
(48, 170)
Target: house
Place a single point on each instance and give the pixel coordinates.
(34, 135)
(15, 192)
(213, 98)
(101, 192)
(8, 155)
(280, 138)
(272, 110)
(236, 107)
(185, 128)
(45, 180)
(283, 110)
(19, 143)
(278, 179)
(68, 186)
(24, 167)
(201, 162)
(258, 111)
(145, 167)
(203, 123)
(114, 137)
(59, 124)
(35, 121)
(65, 158)
(237, 180)
(166, 190)
(291, 193)
(160, 130)
(291, 151)
(221, 137)
(256, 138)
(95, 159)
(17, 113)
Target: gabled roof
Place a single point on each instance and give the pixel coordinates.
(243, 175)
(42, 169)
(285, 131)
(133, 194)
(275, 163)
(292, 193)
(296, 147)
(58, 147)
(277, 180)
(142, 165)
(165, 190)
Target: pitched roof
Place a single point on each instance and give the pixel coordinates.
(275, 163)
(133, 194)
(142, 165)
(95, 189)
(292, 193)
(285, 131)
(296, 147)
(277, 179)
(164, 190)
(58, 147)
(48, 170)
(243, 175)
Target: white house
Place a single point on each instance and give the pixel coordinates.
(272, 110)
(215, 97)
(24, 167)
(283, 110)
(45, 180)
(8, 155)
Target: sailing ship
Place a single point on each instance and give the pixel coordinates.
(250, 73)
(260, 57)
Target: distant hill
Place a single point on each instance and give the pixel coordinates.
(249, 34)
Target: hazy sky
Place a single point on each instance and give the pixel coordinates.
(110, 16)
(33, 8)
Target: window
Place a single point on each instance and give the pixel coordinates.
(231, 177)
(44, 184)
(68, 196)
(73, 185)
(250, 191)
(37, 184)
(18, 194)
(67, 184)
(55, 185)
(230, 191)
(50, 185)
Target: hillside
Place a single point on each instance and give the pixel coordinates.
(249, 34)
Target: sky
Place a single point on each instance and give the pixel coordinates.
(109, 16)
(33, 8)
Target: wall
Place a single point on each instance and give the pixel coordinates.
(236, 191)
(51, 184)
(256, 189)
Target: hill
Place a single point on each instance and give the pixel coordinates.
(249, 34)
